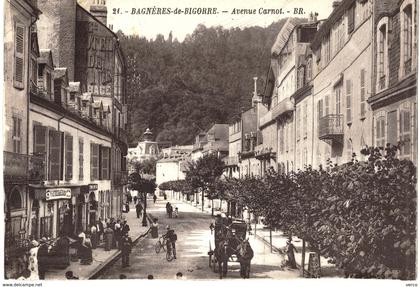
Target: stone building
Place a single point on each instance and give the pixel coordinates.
(342, 62)
(20, 54)
(394, 67)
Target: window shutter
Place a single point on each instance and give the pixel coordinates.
(327, 105)
(81, 159)
(348, 101)
(19, 60)
(54, 155)
(100, 161)
(69, 157)
(94, 160)
(362, 94)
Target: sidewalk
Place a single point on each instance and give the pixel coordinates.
(102, 258)
(279, 244)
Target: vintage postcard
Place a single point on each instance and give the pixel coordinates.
(207, 140)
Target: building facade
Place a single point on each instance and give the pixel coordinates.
(394, 68)
(20, 54)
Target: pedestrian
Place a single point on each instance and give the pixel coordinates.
(164, 196)
(176, 212)
(290, 250)
(139, 209)
(118, 234)
(167, 208)
(108, 237)
(70, 276)
(135, 199)
(154, 198)
(155, 228)
(129, 198)
(170, 210)
(42, 258)
(125, 227)
(87, 257)
(100, 227)
(94, 236)
(33, 261)
(171, 239)
(126, 245)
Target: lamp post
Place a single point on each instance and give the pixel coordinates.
(144, 222)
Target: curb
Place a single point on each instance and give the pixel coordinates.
(101, 267)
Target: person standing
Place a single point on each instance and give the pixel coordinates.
(139, 209)
(171, 210)
(290, 250)
(125, 228)
(100, 227)
(87, 257)
(94, 236)
(155, 228)
(108, 238)
(33, 261)
(126, 245)
(42, 258)
(171, 239)
(118, 234)
(154, 198)
(135, 199)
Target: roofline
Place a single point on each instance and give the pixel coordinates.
(96, 19)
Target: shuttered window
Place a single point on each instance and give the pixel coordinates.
(350, 17)
(19, 60)
(327, 105)
(80, 159)
(405, 132)
(105, 152)
(348, 101)
(16, 136)
(362, 93)
(54, 155)
(69, 157)
(380, 131)
(94, 161)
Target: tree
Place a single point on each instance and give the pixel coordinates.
(203, 173)
(147, 166)
(143, 186)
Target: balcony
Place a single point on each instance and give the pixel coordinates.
(231, 160)
(331, 128)
(407, 67)
(282, 108)
(23, 168)
(264, 152)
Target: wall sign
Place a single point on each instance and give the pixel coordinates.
(58, 193)
(93, 187)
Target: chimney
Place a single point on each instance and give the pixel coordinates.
(100, 11)
(255, 98)
(335, 4)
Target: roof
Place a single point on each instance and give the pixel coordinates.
(45, 57)
(60, 72)
(328, 24)
(284, 34)
(74, 86)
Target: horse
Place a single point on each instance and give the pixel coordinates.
(223, 252)
(245, 255)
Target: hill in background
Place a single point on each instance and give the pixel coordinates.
(179, 88)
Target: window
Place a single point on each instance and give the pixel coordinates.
(301, 77)
(326, 49)
(94, 161)
(80, 159)
(380, 131)
(327, 105)
(105, 152)
(69, 157)
(405, 131)
(350, 18)
(54, 155)
(362, 94)
(320, 111)
(382, 54)
(348, 101)
(16, 137)
(15, 199)
(298, 123)
(305, 120)
(407, 38)
(349, 148)
(309, 70)
(337, 91)
(40, 143)
(19, 57)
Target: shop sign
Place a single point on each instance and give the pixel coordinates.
(58, 193)
(93, 187)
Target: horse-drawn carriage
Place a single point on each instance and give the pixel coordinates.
(230, 245)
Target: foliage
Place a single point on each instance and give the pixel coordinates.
(361, 215)
(136, 182)
(182, 186)
(179, 88)
(147, 166)
(202, 174)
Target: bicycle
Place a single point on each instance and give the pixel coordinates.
(160, 244)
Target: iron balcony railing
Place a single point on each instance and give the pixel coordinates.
(22, 167)
(331, 127)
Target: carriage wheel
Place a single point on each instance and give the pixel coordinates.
(158, 246)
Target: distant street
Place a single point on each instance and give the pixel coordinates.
(192, 228)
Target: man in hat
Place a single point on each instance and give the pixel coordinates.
(126, 245)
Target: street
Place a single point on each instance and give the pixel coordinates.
(192, 228)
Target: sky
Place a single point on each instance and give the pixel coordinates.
(181, 25)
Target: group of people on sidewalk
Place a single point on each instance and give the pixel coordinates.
(170, 211)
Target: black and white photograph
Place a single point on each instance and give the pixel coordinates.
(218, 141)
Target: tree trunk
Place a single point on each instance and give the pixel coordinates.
(144, 223)
(271, 240)
(212, 208)
(303, 257)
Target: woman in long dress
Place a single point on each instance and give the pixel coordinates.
(33, 261)
(290, 250)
